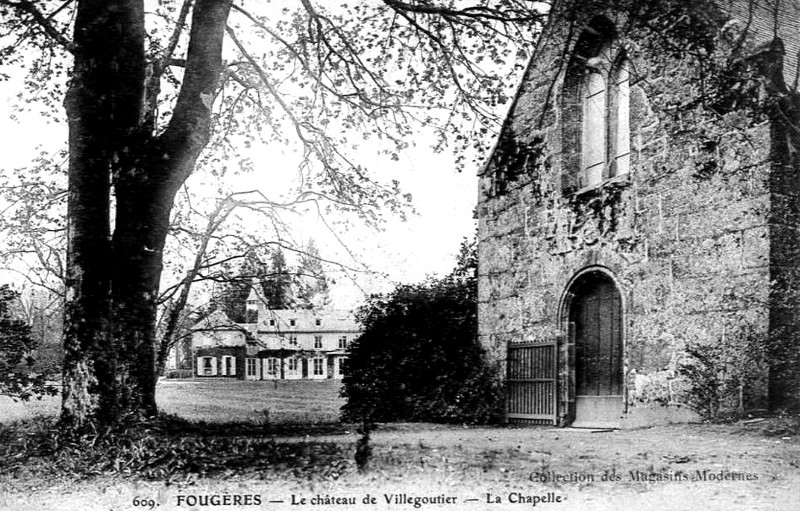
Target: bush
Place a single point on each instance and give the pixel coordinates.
(178, 374)
(418, 358)
(723, 377)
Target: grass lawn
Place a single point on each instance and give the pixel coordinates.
(11, 410)
(278, 402)
(260, 402)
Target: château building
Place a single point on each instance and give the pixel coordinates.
(282, 344)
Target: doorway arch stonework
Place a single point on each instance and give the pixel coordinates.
(592, 352)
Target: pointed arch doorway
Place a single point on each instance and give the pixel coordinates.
(595, 327)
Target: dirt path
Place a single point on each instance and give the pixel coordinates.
(676, 467)
(665, 468)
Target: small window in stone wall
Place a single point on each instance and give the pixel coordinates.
(252, 368)
(318, 342)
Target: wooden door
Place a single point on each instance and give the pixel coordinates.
(596, 312)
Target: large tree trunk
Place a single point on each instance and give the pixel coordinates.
(137, 254)
(145, 195)
(103, 109)
(109, 368)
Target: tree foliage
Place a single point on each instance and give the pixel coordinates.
(16, 347)
(418, 358)
(165, 99)
(277, 284)
(236, 285)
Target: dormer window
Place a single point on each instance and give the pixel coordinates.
(318, 322)
(292, 322)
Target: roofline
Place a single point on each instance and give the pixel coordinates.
(556, 6)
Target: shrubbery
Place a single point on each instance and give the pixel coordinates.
(721, 376)
(418, 358)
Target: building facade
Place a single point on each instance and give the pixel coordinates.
(285, 344)
(639, 216)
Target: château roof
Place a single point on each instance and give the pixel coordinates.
(306, 320)
(217, 320)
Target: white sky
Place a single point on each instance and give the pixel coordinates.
(405, 251)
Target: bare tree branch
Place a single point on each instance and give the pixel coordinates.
(43, 21)
(522, 14)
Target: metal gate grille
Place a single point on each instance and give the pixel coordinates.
(532, 382)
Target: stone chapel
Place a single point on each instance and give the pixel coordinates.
(639, 216)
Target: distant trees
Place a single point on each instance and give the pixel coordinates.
(304, 286)
(17, 344)
(279, 285)
(231, 294)
(312, 283)
(418, 358)
(43, 311)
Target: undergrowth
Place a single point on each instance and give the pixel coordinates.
(167, 449)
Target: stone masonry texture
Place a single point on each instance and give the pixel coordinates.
(700, 236)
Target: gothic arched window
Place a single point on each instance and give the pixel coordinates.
(596, 131)
(594, 128)
(619, 140)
